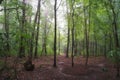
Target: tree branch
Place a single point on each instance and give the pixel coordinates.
(7, 9)
(59, 5)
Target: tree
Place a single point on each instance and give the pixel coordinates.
(68, 34)
(112, 5)
(59, 42)
(33, 33)
(86, 36)
(55, 33)
(116, 40)
(38, 25)
(73, 31)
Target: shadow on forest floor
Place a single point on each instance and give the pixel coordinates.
(97, 69)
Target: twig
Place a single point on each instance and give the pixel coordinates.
(7, 9)
(59, 5)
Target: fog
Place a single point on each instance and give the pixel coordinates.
(61, 10)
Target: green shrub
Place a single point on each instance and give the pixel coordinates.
(114, 55)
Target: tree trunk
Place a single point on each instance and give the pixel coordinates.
(110, 42)
(68, 42)
(105, 39)
(55, 33)
(73, 29)
(38, 26)
(116, 40)
(86, 37)
(96, 46)
(68, 35)
(59, 44)
(33, 33)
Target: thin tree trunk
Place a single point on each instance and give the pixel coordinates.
(110, 42)
(105, 39)
(33, 33)
(59, 43)
(68, 35)
(116, 47)
(83, 47)
(86, 37)
(73, 29)
(116, 41)
(96, 47)
(68, 42)
(55, 33)
(38, 24)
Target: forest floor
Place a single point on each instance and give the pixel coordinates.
(98, 69)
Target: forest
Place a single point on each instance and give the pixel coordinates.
(59, 39)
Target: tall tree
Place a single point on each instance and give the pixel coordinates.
(68, 34)
(55, 32)
(87, 28)
(115, 33)
(86, 34)
(112, 8)
(73, 31)
(38, 26)
(59, 43)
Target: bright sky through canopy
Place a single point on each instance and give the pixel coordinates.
(61, 11)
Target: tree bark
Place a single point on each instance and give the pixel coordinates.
(105, 45)
(86, 36)
(116, 41)
(55, 33)
(68, 34)
(68, 42)
(73, 30)
(38, 24)
(59, 44)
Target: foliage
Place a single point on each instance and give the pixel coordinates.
(114, 55)
(101, 25)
